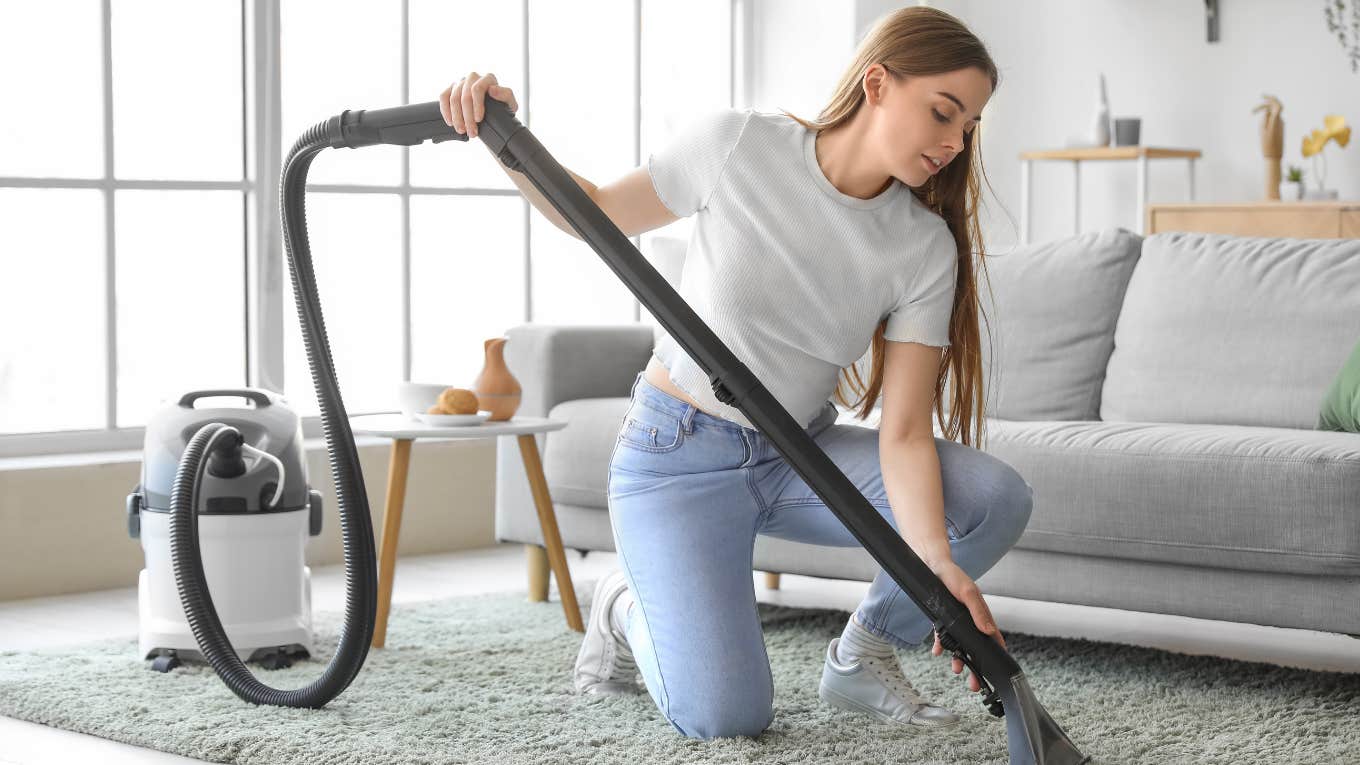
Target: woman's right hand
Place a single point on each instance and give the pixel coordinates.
(962, 587)
(462, 103)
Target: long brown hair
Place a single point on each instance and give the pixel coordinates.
(913, 41)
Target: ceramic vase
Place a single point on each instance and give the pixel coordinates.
(1100, 123)
(497, 390)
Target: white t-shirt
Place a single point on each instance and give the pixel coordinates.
(790, 273)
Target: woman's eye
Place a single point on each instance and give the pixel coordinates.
(938, 116)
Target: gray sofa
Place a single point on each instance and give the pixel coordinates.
(1158, 393)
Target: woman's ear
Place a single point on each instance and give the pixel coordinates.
(873, 81)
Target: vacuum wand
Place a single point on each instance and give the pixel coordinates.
(1033, 736)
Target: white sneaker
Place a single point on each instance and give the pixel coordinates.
(605, 663)
(875, 685)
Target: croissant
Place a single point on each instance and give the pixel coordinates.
(455, 401)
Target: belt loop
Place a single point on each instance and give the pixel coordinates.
(748, 440)
(688, 420)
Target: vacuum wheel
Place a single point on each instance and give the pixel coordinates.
(165, 662)
(278, 658)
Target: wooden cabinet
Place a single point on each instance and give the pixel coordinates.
(1304, 220)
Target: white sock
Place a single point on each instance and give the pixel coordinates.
(856, 641)
(618, 615)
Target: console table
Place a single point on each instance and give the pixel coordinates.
(1139, 154)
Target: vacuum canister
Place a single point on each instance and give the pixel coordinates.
(252, 528)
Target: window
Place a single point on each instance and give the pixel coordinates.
(121, 203)
(143, 257)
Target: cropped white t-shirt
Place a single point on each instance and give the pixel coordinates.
(790, 273)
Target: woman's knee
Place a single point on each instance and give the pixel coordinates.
(737, 716)
(1004, 499)
(1014, 500)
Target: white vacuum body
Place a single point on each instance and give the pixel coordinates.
(252, 534)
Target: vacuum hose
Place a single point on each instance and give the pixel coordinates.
(220, 445)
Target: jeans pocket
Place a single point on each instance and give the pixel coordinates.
(651, 430)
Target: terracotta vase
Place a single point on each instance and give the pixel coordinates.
(497, 390)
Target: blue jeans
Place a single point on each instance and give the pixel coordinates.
(689, 492)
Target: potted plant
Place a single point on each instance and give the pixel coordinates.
(1292, 188)
(1334, 129)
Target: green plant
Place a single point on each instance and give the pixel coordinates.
(1349, 35)
(1295, 174)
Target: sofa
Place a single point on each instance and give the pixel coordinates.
(1159, 393)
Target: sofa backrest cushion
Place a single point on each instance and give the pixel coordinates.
(1231, 330)
(1052, 324)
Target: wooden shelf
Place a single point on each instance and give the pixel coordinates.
(1112, 152)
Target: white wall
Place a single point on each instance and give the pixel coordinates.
(1158, 66)
(63, 527)
(797, 51)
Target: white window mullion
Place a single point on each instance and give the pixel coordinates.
(247, 227)
(110, 259)
(637, 120)
(405, 198)
(525, 106)
(271, 284)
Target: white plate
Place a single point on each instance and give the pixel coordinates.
(445, 420)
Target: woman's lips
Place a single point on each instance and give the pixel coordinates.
(930, 165)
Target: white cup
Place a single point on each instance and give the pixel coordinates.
(417, 398)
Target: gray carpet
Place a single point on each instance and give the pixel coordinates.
(488, 680)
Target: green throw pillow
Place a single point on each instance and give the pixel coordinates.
(1341, 405)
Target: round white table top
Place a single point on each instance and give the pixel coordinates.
(398, 426)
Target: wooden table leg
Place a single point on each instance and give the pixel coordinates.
(387, 554)
(547, 521)
(537, 560)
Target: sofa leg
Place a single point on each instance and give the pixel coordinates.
(537, 558)
(771, 581)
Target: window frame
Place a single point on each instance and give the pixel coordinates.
(268, 288)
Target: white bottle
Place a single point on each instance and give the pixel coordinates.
(1100, 127)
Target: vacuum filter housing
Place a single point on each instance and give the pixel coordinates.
(252, 547)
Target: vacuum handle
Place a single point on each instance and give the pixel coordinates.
(261, 397)
(416, 123)
(399, 125)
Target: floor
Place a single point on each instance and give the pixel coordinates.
(111, 613)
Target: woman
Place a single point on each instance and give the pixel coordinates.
(808, 235)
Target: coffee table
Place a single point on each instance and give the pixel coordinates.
(403, 432)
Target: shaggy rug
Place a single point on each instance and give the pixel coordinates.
(487, 679)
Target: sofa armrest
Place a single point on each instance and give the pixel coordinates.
(555, 363)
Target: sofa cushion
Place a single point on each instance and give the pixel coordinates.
(576, 458)
(1251, 498)
(1233, 330)
(1341, 406)
(1052, 323)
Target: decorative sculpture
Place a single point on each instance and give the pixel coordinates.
(1272, 142)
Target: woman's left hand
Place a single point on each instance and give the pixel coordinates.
(961, 586)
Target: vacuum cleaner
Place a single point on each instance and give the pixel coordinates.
(256, 514)
(1033, 737)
